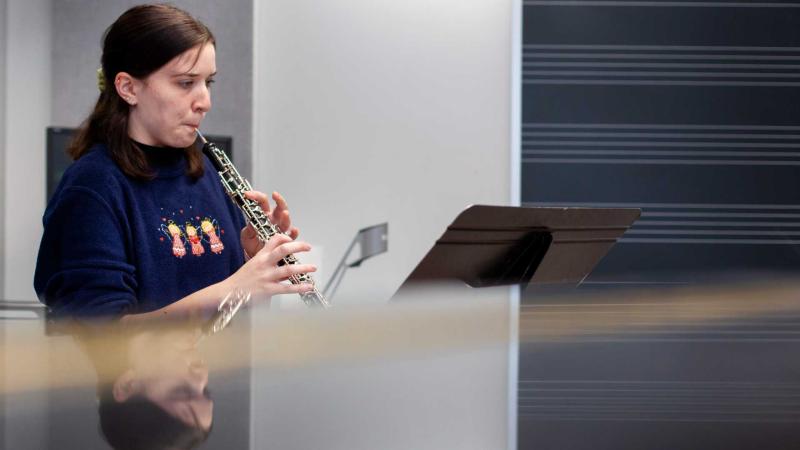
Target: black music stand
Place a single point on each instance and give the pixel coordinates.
(505, 245)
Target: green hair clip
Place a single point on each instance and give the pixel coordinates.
(101, 80)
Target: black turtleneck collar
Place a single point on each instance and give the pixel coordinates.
(166, 161)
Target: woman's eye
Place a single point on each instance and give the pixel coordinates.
(210, 82)
(186, 83)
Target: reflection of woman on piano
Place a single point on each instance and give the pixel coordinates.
(152, 388)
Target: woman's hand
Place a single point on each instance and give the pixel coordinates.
(279, 216)
(262, 275)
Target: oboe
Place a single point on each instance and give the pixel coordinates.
(236, 185)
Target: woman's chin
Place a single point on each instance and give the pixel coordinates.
(184, 141)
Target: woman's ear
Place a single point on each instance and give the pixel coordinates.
(125, 85)
(125, 386)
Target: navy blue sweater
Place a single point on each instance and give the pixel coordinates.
(113, 245)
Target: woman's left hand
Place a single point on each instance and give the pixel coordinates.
(278, 216)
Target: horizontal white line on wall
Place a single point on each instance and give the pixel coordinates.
(659, 4)
(567, 73)
(672, 205)
(637, 126)
(702, 223)
(753, 384)
(661, 47)
(660, 153)
(549, 417)
(661, 83)
(701, 162)
(660, 135)
(707, 241)
(656, 56)
(592, 64)
(720, 215)
(678, 232)
(562, 143)
(669, 205)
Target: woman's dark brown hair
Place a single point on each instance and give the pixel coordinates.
(142, 40)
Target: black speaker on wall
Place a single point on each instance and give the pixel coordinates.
(58, 139)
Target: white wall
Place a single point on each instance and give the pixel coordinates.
(27, 113)
(369, 111)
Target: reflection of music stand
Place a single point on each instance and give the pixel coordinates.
(503, 245)
(372, 241)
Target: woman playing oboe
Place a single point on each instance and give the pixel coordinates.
(140, 226)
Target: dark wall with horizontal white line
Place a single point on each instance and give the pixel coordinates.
(688, 110)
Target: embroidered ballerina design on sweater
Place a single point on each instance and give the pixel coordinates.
(194, 232)
(210, 230)
(194, 239)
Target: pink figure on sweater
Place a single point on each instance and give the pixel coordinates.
(211, 232)
(178, 247)
(194, 239)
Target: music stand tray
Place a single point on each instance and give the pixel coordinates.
(503, 245)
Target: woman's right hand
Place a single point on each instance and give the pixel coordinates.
(262, 275)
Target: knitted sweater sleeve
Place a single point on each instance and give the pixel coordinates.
(84, 268)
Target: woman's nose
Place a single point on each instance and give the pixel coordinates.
(203, 101)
